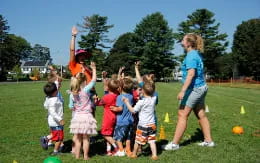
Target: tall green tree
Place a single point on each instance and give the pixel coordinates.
(40, 53)
(246, 48)
(3, 34)
(121, 54)
(3, 28)
(15, 48)
(154, 45)
(96, 38)
(202, 22)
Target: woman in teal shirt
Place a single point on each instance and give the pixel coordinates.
(193, 92)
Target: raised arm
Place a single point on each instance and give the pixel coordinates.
(121, 69)
(94, 71)
(74, 33)
(137, 73)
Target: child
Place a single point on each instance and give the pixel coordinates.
(146, 128)
(53, 77)
(124, 123)
(55, 115)
(83, 124)
(109, 117)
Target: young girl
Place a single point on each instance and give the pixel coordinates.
(109, 117)
(83, 124)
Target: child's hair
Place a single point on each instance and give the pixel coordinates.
(81, 77)
(74, 85)
(49, 89)
(148, 78)
(127, 85)
(149, 88)
(52, 77)
(195, 41)
(113, 85)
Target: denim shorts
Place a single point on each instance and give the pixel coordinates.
(194, 97)
(122, 133)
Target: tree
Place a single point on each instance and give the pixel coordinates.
(13, 50)
(40, 53)
(18, 72)
(121, 55)
(3, 29)
(246, 48)
(3, 34)
(96, 38)
(202, 22)
(154, 44)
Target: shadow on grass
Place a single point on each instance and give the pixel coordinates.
(97, 145)
(198, 136)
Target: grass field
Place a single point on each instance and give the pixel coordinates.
(23, 121)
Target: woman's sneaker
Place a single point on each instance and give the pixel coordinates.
(207, 144)
(171, 146)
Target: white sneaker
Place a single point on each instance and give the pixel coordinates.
(171, 146)
(120, 153)
(207, 144)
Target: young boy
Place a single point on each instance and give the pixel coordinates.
(109, 117)
(124, 123)
(146, 128)
(55, 115)
(53, 77)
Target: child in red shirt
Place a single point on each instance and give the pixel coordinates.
(109, 117)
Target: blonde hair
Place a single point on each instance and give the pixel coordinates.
(81, 77)
(149, 88)
(76, 82)
(74, 85)
(195, 41)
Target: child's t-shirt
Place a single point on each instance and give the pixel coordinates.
(146, 108)
(125, 116)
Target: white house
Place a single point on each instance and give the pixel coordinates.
(28, 66)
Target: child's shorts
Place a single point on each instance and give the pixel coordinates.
(145, 134)
(122, 133)
(57, 133)
(194, 97)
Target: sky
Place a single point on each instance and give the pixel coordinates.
(49, 22)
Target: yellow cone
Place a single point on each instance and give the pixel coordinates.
(166, 119)
(15, 161)
(207, 109)
(242, 110)
(162, 133)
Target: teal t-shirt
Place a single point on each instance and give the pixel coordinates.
(193, 60)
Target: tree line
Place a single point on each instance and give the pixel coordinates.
(152, 42)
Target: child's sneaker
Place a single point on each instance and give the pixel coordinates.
(120, 153)
(109, 153)
(171, 146)
(128, 153)
(133, 156)
(44, 142)
(55, 153)
(154, 158)
(207, 144)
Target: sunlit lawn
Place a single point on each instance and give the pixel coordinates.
(23, 121)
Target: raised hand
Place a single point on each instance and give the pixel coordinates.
(74, 31)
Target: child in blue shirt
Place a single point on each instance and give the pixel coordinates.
(124, 124)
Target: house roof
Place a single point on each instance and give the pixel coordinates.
(34, 64)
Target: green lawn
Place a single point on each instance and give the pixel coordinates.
(23, 121)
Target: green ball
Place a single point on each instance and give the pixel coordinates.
(52, 160)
